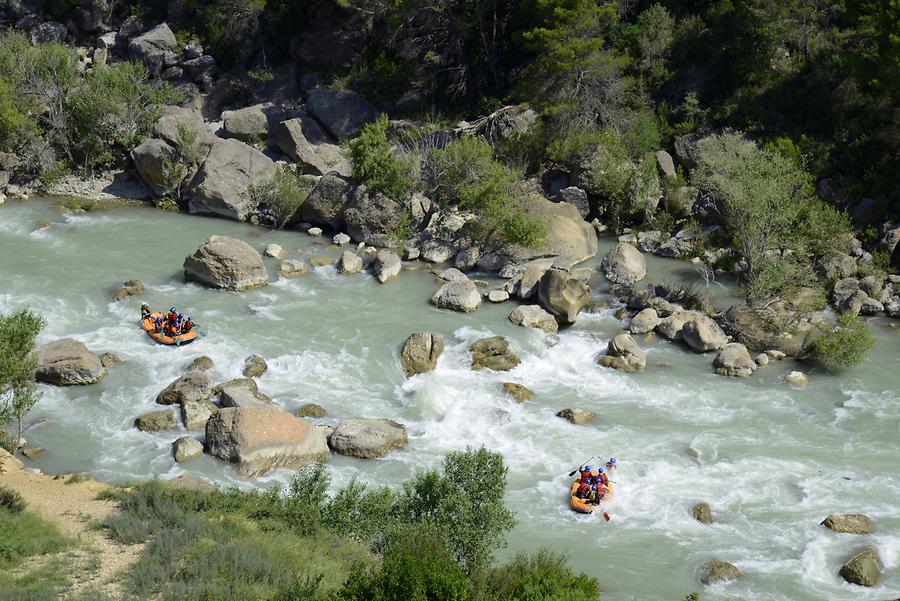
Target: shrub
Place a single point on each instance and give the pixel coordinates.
(541, 577)
(16, 125)
(843, 345)
(25, 534)
(375, 163)
(11, 500)
(282, 195)
(17, 363)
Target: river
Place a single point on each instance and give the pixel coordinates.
(772, 461)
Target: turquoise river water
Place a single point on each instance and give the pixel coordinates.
(771, 460)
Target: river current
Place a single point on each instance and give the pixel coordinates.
(771, 460)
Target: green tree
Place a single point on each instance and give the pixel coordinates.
(375, 163)
(17, 363)
(844, 344)
(464, 505)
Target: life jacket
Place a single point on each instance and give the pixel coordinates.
(603, 478)
(187, 326)
(583, 490)
(172, 317)
(585, 475)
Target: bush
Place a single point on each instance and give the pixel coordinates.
(25, 534)
(541, 577)
(843, 345)
(282, 195)
(375, 163)
(18, 394)
(11, 500)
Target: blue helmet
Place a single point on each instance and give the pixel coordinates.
(172, 309)
(587, 468)
(181, 316)
(612, 460)
(600, 469)
(594, 487)
(190, 318)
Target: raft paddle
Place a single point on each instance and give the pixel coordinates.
(572, 473)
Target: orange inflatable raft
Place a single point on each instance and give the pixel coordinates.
(583, 505)
(148, 326)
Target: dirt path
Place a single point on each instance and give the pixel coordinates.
(97, 562)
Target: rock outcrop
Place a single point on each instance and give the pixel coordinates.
(367, 438)
(67, 362)
(563, 295)
(493, 353)
(623, 353)
(259, 439)
(624, 264)
(228, 263)
(223, 183)
(421, 352)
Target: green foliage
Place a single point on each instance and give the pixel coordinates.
(17, 363)
(282, 194)
(16, 124)
(464, 173)
(11, 500)
(843, 345)
(375, 163)
(24, 534)
(541, 577)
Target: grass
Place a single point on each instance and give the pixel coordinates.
(25, 534)
(11, 500)
(207, 546)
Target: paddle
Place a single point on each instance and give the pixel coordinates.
(572, 473)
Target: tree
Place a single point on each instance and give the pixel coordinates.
(375, 163)
(17, 363)
(844, 344)
(464, 505)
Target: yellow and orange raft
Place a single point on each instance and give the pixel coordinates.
(161, 337)
(583, 505)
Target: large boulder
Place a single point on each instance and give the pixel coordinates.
(848, 296)
(224, 181)
(326, 202)
(493, 353)
(623, 353)
(252, 123)
(717, 571)
(838, 266)
(67, 362)
(576, 416)
(703, 334)
(533, 316)
(195, 414)
(563, 295)
(734, 360)
(671, 327)
(151, 47)
(644, 322)
(420, 352)
(152, 159)
(386, 265)
(156, 421)
(224, 262)
(367, 438)
(342, 112)
(303, 140)
(349, 262)
(624, 264)
(569, 236)
(372, 217)
(243, 396)
(259, 439)
(853, 523)
(186, 448)
(461, 295)
(863, 569)
(176, 122)
(193, 386)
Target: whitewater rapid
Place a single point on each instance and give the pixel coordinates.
(772, 461)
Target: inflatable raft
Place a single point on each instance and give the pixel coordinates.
(583, 505)
(148, 326)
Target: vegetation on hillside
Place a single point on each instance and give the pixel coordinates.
(432, 539)
(17, 363)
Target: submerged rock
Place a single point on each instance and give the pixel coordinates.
(853, 523)
(797, 378)
(420, 352)
(367, 438)
(228, 263)
(533, 316)
(623, 353)
(109, 359)
(186, 448)
(493, 353)
(128, 289)
(717, 571)
(518, 392)
(576, 416)
(259, 439)
(67, 362)
(702, 513)
(291, 268)
(201, 363)
(863, 569)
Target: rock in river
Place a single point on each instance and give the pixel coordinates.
(493, 353)
(192, 386)
(186, 448)
(576, 416)
(623, 353)
(717, 571)
(624, 264)
(195, 414)
(852, 523)
(864, 568)
(259, 439)
(563, 295)
(67, 362)
(224, 262)
(460, 296)
(255, 366)
(349, 262)
(518, 392)
(367, 438)
(734, 360)
(156, 421)
(386, 265)
(702, 513)
(703, 334)
(420, 352)
(644, 322)
(533, 316)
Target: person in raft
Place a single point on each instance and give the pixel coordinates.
(584, 489)
(188, 325)
(602, 478)
(585, 473)
(158, 325)
(611, 464)
(145, 311)
(172, 316)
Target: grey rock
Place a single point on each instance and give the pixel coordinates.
(150, 48)
(576, 197)
(665, 164)
(703, 334)
(342, 112)
(252, 123)
(194, 414)
(274, 251)
(291, 136)
(327, 201)
(435, 251)
(156, 421)
(853, 523)
(467, 258)
(420, 352)
(460, 296)
(201, 69)
(649, 241)
(734, 360)
(341, 239)
(292, 268)
(151, 158)
(228, 263)
(48, 32)
(624, 264)
(368, 438)
(671, 327)
(863, 569)
(531, 278)
(255, 366)
(500, 296)
(224, 181)
(108, 360)
(838, 266)
(68, 362)
(243, 396)
(717, 571)
(186, 448)
(797, 379)
(386, 265)
(372, 217)
(453, 275)
(644, 322)
(259, 439)
(623, 353)
(311, 410)
(493, 353)
(193, 386)
(349, 262)
(563, 295)
(533, 316)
